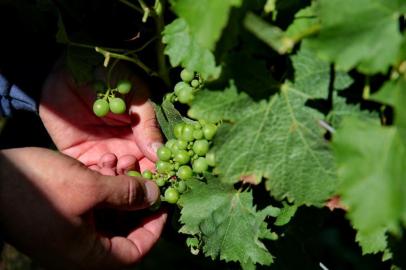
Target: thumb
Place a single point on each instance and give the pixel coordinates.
(127, 193)
(145, 128)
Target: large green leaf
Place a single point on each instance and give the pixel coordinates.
(183, 49)
(279, 139)
(371, 161)
(362, 34)
(206, 18)
(226, 221)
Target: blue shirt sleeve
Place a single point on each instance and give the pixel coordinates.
(13, 98)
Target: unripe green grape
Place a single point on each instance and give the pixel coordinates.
(163, 166)
(181, 186)
(211, 159)
(170, 143)
(181, 144)
(182, 157)
(101, 107)
(176, 166)
(201, 147)
(185, 96)
(198, 134)
(134, 174)
(117, 105)
(164, 153)
(179, 86)
(124, 86)
(195, 83)
(187, 133)
(209, 130)
(200, 165)
(160, 182)
(171, 195)
(178, 129)
(187, 75)
(184, 172)
(147, 174)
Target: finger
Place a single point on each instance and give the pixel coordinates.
(145, 125)
(108, 160)
(94, 168)
(129, 250)
(146, 164)
(108, 171)
(127, 193)
(126, 163)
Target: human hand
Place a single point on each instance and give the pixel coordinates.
(46, 210)
(66, 111)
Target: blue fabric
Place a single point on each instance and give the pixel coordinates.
(13, 98)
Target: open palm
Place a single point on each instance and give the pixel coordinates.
(66, 111)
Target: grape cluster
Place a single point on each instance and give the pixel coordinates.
(108, 101)
(182, 158)
(185, 90)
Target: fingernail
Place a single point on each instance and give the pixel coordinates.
(151, 192)
(155, 146)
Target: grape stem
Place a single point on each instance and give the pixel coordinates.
(107, 54)
(131, 5)
(160, 24)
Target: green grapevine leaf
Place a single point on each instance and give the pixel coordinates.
(368, 171)
(369, 41)
(214, 106)
(168, 116)
(82, 63)
(286, 214)
(279, 139)
(342, 109)
(305, 23)
(183, 49)
(205, 26)
(227, 221)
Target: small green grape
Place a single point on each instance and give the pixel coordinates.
(187, 75)
(170, 143)
(171, 195)
(147, 174)
(178, 129)
(195, 83)
(198, 134)
(201, 147)
(117, 105)
(187, 133)
(200, 165)
(211, 159)
(160, 182)
(185, 96)
(181, 144)
(184, 172)
(101, 107)
(124, 86)
(164, 153)
(134, 174)
(163, 166)
(182, 157)
(209, 130)
(181, 186)
(179, 86)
